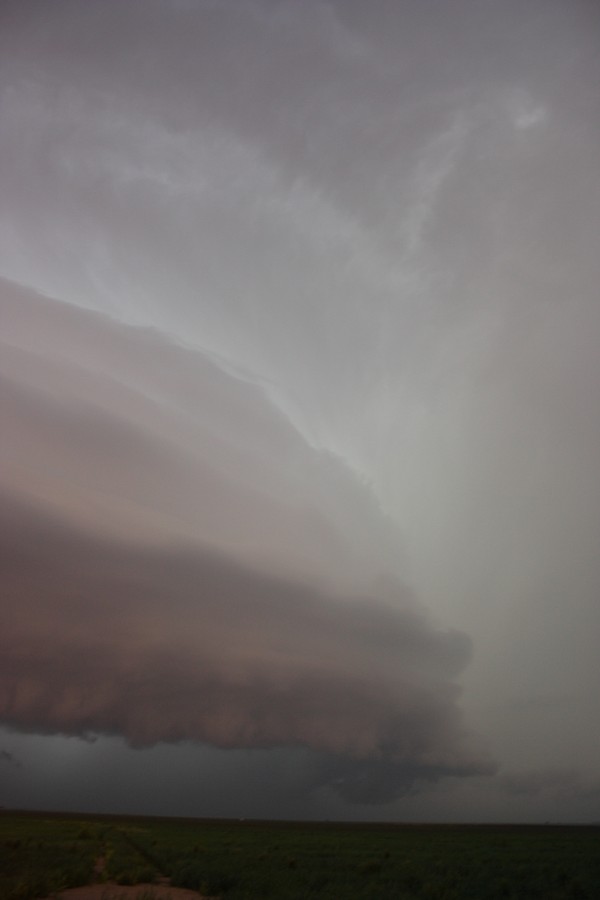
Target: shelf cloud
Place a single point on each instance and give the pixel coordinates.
(128, 616)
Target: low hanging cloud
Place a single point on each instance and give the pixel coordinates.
(139, 595)
(182, 645)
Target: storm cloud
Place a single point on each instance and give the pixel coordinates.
(158, 637)
(299, 331)
(174, 646)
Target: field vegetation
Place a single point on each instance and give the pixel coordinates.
(42, 853)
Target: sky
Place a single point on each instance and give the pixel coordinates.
(299, 363)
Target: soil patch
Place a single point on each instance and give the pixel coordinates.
(112, 891)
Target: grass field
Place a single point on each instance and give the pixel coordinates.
(41, 853)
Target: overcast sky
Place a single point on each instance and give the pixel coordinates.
(299, 365)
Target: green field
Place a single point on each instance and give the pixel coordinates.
(42, 852)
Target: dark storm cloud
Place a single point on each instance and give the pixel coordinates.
(381, 780)
(138, 597)
(184, 645)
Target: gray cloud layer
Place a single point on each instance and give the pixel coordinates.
(128, 609)
(310, 291)
(93, 631)
(182, 645)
